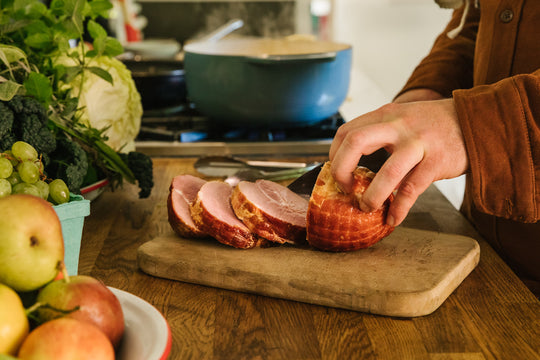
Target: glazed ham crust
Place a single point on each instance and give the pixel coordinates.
(182, 193)
(271, 211)
(212, 212)
(334, 220)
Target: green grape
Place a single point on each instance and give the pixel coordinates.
(24, 151)
(14, 178)
(24, 188)
(5, 188)
(40, 166)
(58, 191)
(5, 168)
(11, 158)
(28, 171)
(43, 188)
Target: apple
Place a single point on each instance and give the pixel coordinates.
(31, 242)
(14, 324)
(96, 304)
(7, 357)
(66, 339)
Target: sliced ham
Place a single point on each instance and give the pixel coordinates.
(334, 219)
(271, 210)
(212, 212)
(182, 193)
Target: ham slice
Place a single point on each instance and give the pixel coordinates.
(182, 193)
(212, 212)
(334, 220)
(271, 211)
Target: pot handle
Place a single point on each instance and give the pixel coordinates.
(289, 59)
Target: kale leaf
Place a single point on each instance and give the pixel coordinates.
(142, 168)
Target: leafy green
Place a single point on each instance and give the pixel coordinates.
(114, 106)
(32, 39)
(31, 32)
(36, 85)
(68, 162)
(24, 118)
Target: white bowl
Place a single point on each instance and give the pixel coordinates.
(92, 191)
(147, 335)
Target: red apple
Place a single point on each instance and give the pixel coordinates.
(31, 242)
(96, 304)
(66, 339)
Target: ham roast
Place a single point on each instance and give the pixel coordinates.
(212, 212)
(182, 193)
(271, 210)
(334, 219)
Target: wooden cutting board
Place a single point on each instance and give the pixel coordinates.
(410, 273)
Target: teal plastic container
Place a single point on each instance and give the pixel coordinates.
(71, 215)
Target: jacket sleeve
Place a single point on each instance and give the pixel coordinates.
(500, 124)
(449, 65)
(501, 127)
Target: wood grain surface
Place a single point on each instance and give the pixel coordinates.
(491, 314)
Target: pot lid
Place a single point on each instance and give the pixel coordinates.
(257, 46)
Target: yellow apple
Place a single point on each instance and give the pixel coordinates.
(31, 242)
(13, 321)
(7, 357)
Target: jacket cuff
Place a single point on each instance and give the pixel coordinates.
(497, 130)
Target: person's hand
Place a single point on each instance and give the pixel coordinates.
(425, 144)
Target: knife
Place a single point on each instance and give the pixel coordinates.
(304, 184)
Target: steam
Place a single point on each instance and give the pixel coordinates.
(258, 21)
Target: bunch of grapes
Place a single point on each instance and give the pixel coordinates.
(21, 172)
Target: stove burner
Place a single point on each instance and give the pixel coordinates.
(188, 126)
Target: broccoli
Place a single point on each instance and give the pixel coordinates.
(141, 166)
(24, 118)
(28, 105)
(6, 120)
(68, 162)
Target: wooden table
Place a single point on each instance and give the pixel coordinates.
(491, 315)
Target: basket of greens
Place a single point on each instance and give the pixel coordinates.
(63, 91)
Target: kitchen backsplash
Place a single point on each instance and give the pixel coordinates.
(186, 20)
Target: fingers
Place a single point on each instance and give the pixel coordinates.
(391, 175)
(338, 139)
(402, 171)
(344, 174)
(410, 188)
(357, 142)
(425, 143)
(344, 130)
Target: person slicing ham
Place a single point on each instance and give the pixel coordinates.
(472, 106)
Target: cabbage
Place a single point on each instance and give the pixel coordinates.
(115, 107)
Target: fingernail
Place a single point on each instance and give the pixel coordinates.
(390, 221)
(340, 188)
(364, 207)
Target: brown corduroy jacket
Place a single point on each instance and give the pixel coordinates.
(492, 70)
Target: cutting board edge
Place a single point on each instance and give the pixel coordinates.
(427, 301)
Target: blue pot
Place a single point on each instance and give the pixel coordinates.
(249, 82)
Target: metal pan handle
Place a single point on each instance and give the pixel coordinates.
(222, 31)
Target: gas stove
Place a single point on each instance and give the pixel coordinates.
(184, 132)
